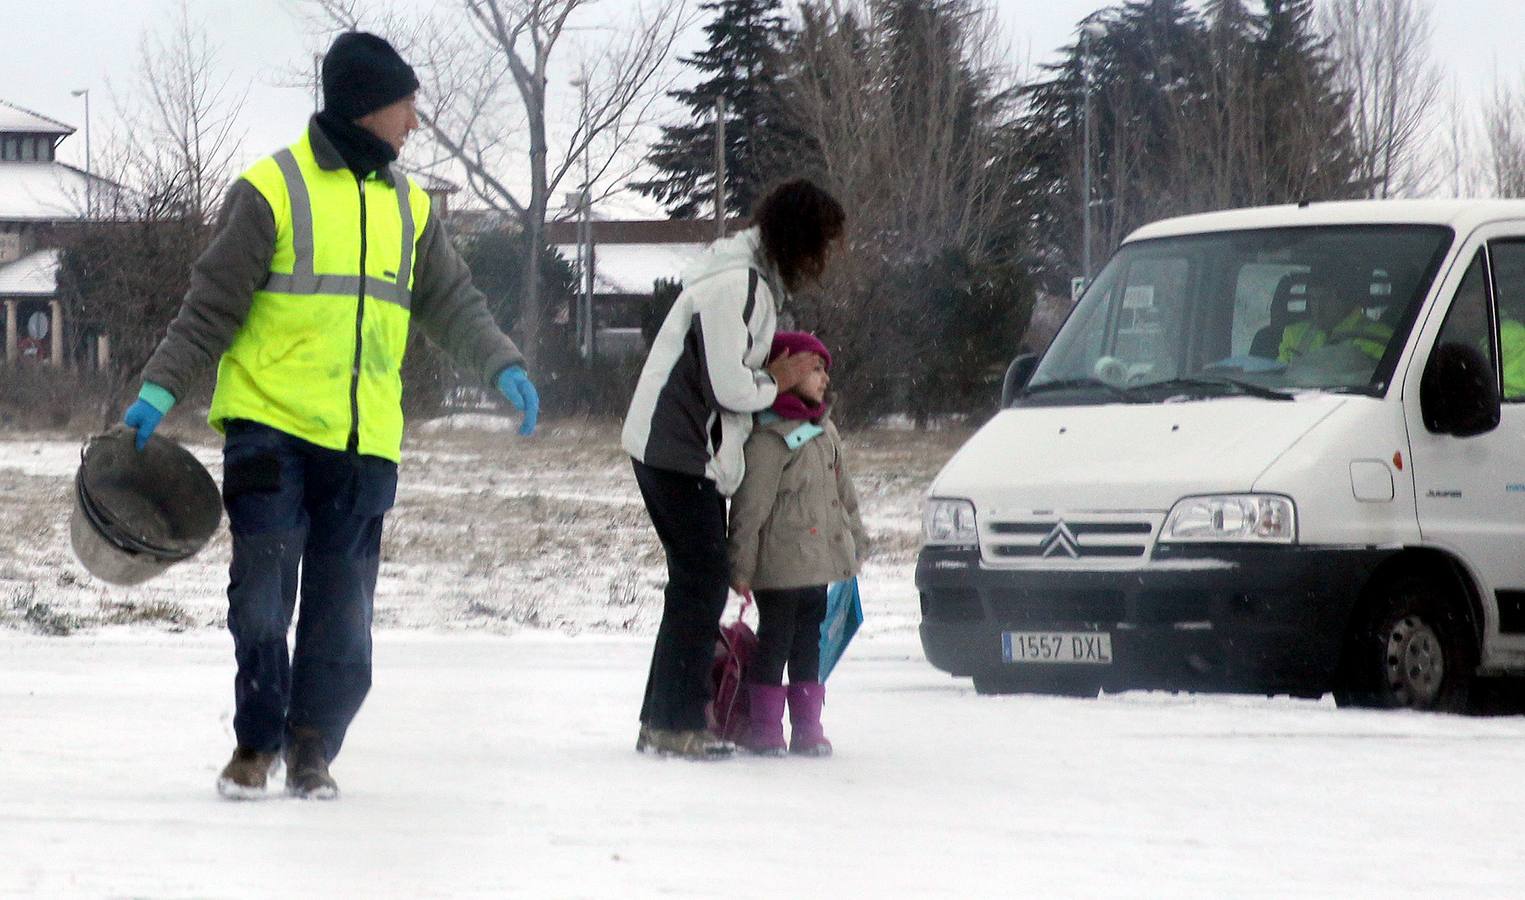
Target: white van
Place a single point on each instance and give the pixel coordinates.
(1276, 450)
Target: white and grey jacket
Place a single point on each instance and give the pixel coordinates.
(706, 375)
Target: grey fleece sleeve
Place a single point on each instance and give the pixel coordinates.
(453, 313)
(223, 282)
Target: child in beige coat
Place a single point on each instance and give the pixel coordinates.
(794, 529)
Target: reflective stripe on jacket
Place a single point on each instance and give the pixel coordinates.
(320, 353)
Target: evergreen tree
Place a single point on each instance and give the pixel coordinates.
(1309, 152)
(1192, 110)
(742, 60)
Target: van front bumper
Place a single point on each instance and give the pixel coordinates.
(1195, 617)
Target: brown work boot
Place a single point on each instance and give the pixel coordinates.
(697, 744)
(244, 777)
(307, 767)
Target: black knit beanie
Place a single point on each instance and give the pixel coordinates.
(361, 74)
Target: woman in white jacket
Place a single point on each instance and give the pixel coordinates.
(688, 422)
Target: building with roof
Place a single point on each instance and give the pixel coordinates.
(629, 258)
(39, 198)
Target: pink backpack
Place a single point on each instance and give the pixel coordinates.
(728, 712)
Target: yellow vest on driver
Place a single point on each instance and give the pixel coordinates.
(1366, 335)
(320, 354)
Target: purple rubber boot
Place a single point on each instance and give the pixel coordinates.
(765, 732)
(807, 738)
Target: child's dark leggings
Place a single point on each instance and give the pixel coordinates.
(788, 631)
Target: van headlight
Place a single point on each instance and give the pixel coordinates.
(949, 522)
(1232, 517)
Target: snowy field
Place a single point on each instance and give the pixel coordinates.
(494, 757)
(490, 533)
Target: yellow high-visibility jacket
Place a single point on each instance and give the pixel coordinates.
(320, 354)
(306, 293)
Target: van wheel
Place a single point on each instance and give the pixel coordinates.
(1412, 647)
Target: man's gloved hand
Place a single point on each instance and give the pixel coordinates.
(152, 404)
(515, 385)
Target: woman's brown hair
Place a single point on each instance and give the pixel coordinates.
(798, 220)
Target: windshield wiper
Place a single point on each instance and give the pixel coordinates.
(1063, 384)
(1233, 385)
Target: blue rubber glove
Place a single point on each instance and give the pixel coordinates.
(152, 405)
(515, 385)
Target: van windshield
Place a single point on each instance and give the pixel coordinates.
(1265, 313)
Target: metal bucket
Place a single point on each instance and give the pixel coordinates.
(138, 513)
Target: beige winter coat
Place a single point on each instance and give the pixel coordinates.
(794, 520)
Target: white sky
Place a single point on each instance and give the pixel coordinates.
(54, 46)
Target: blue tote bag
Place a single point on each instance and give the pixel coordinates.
(844, 613)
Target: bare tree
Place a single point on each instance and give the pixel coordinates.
(906, 130)
(1504, 126)
(901, 107)
(486, 102)
(180, 124)
(125, 273)
(1459, 163)
(1384, 63)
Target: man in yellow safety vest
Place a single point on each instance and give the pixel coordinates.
(324, 254)
(1329, 322)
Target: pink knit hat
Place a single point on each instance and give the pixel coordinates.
(798, 342)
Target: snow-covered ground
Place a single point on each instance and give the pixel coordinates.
(503, 766)
(490, 532)
(494, 757)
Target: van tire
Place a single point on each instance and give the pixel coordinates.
(1410, 646)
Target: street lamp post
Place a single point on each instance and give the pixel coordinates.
(1086, 33)
(585, 331)
(89, 173)
(719, 167)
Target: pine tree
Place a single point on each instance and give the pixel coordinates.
(1309, 155)
(1194, 107)
(742, 60)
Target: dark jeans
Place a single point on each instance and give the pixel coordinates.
(302, 518)
(689, 515)
(788, 631)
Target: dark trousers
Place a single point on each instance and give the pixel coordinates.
(788, 632)
(689, 515)
(305, 520)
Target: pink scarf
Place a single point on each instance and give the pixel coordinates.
(793, 406)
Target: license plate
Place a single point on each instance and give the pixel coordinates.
(1090, 647)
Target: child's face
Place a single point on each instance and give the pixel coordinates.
(813, 388)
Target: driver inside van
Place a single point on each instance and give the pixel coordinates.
(1512, 346)
(1331, 321)
(1467, 323)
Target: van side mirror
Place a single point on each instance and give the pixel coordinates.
(1017, 374)
(1458, 393)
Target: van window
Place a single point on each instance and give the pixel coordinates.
(1149, 314)
(1468, 321)
(1266, 291)
(1509, 290)
(1320, 308)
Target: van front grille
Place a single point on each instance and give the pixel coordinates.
(1080, 539)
